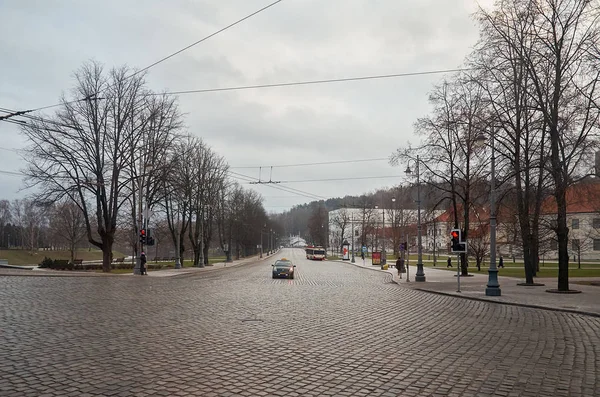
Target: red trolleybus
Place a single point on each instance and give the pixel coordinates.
(315, 253)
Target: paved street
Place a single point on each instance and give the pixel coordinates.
(336, 330)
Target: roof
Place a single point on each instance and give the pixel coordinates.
(583, 197)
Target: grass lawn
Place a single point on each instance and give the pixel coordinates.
(24, 257)
(190, 263)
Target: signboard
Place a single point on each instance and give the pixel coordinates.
(345, 252)
(376, 258)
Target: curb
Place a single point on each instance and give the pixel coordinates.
(474, 298)
(369, 268)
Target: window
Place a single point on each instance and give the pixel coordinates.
(596, 244)
(575, 224)
(575, 244)
(596, 223)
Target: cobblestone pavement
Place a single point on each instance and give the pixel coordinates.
(336, 330)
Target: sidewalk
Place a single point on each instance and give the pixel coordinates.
(445, 282)
(33, 271)
(211, 267)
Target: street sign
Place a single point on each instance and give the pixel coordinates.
(364, 249)
(376, 258)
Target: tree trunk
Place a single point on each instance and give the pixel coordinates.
(562, 233)
(107, 255)
(528, 256)
(205, 249)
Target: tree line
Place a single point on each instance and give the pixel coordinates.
(118, 155)
(528, 98)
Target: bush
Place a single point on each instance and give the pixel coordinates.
(47, 263)
(56, 264)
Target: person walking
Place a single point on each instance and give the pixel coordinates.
(400, 266)
(449, 262)
(143, 260)
(501, 262)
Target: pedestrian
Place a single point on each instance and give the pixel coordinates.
(449, 262)
(400, 266)
(143, 269)
(501, 262)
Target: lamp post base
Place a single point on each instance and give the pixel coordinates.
(420, 276)
(352, 260)
(493, 287)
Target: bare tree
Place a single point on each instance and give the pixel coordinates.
(68, 225)
(5, 218)
(318, 224)
(564, 74)
(341, 221)
(85, 152)
(209, 175)
(450, 145)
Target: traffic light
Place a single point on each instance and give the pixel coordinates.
(457, 245)
(143, 236)
(149, 237)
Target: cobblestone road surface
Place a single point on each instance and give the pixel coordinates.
(336, 330)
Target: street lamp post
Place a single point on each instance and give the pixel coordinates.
(376, 232)
(493, 286)
(201, 258)
(261, 242)
(420, 276)
(352, 260)
(393, 224)
(383, 254)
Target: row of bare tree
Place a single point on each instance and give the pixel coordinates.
(119, 153)
(529, 92)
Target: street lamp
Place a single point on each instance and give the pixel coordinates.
(493, 286)
(393, 223)
(352, 260)
(376, 233)
(420, 276)
(383, 254)
(261, 242)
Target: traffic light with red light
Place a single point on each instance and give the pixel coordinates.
(143, 236)
(457, 245)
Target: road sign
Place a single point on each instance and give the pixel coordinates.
(364, 249)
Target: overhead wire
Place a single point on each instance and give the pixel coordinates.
(205, 38)
(164, 58)
(342, 179)
(282, 188)
(309, 82)
(320, 163)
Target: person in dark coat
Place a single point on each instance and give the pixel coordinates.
(501, 262)
(449, 262)
(143, 269)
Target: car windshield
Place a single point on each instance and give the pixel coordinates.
(283, 264)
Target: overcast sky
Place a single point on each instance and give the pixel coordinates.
(42, 42)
